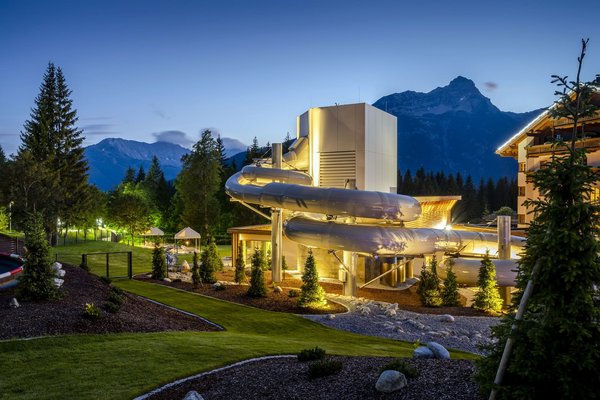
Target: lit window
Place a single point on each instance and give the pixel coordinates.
(521, 218)
(595, 195)
(521, 191)
(521, 167)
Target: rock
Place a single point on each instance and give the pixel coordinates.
(388, 325)
(193, 395)
(14, 303)
(148, 275)
(167, 280)
(330, 316)
(389, 381)
(277, 289)
(423, 352)
(217, 285)
(390, 312)
(60, 273)
(364, 311)
(399, 329)
(58, 282)
(438, 350)
(185, 267)
(446, 318)
(56, 266)
(435, 334)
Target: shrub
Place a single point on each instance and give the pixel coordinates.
(450, 297)
(322, 368)
(37, 280)
(115, 298)
(257, 288)
(240, 266)
(196, 271)
(293, 293)
(210, 263)
(117, 290)
(106, 280)
(429, 286)
(312, 294)
(90, 311)
(311, 354)
(111, 307)
(487, 297)
(401, 366)
(159, 264)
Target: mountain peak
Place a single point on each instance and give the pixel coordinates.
(461, 81)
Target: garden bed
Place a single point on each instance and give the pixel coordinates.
(66, 314)
(286, 378)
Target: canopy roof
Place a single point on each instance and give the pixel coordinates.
(187, 233)
(153, 232)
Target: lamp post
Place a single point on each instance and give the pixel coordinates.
(10, 216)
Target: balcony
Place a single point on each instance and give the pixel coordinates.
(545, 149)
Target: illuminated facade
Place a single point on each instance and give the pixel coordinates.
(533, 147)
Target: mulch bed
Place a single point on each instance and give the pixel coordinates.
(65, 315)
(288, 379)
(407, 299)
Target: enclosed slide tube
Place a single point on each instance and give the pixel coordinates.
(256, 185)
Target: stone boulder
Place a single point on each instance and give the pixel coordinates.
(277, 289)
(390, 381)
(423, 352)
(446, 318)
(14, 303)
(438, 350)
(193, 395)
(185, 267)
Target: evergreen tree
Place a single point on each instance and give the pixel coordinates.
(159, 264)
(209, 264)
(196, 280)
(240, 267)
(141, 175)
(555, 348)
(487, 297)
(252, 152)
(37, 281)
(129, 176)
(312, 294)
(450, 297)
(429, 285)
(198, 183)
(258, 288)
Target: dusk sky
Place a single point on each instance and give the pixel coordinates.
(144, 70)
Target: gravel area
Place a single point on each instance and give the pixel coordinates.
(65, 315)
(286, 378)
(386, 320)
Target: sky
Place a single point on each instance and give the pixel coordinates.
(166, 70)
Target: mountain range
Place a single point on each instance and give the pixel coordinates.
(452, 129)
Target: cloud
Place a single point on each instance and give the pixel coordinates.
(491, 86)
(175, 137)
(156, 110)
(99, 129)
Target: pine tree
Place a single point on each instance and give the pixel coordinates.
(487, 297)
(129, 176)
(429, 285)
(312, 294)
(450, 297)
(208, 266)
(159, 264)
(555, 344)
(141, 175)
(37, 281)
(196, 280)
(240, 267)
(258, 288)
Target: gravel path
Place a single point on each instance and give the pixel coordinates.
(374, 318)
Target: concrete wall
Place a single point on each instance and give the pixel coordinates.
(380, 150)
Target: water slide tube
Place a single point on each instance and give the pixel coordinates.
(256, 185)
(11, 267)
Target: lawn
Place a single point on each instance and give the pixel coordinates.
(121, 366)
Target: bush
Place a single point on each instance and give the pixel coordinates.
(311, 354)
(312, 294)
(450, 297)
(37, 280)
(159, 263)
(401, 366)
(115, 298)
(210, 263)
(429, 286)
(111, 307)
(117, 290)
(293, 293)
(257, 288)
(240, 266)
(90, 311)
(322, 368)
(106, 280)
(487, 297)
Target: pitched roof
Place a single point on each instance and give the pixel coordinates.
(187, 233)
(153, 232)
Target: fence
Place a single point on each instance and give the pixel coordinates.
(117, 265)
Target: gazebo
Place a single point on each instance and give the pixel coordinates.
(152, 233)
(188, 234)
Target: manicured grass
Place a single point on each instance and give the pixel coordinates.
(122, 366)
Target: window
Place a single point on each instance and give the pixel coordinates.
(595, 195)
(521, 191)
(521, 167)
(521, 218)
